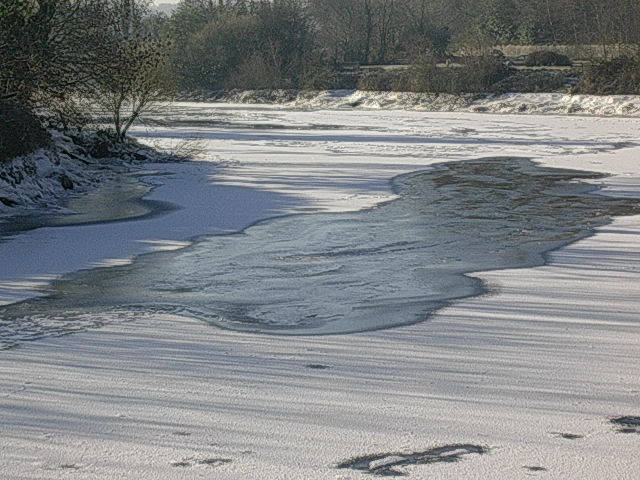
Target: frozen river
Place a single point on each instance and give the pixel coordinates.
(328, 273)
(368, 254)
(316, 221)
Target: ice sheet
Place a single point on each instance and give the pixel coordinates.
(534, 372)
(335, 273)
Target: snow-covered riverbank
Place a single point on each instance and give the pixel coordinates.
(522, 103)
(530, 375)
(81, 180)
(45, 179)
(48, 180)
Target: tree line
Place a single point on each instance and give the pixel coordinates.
(62, 58)
(297, 43)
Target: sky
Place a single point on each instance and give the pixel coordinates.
(168, 3)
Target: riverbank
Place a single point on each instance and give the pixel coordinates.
(83, 180)
(47, 181)
(517, 103)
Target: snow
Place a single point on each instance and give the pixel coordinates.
(41, 185)
(529, 103)
(552, 350)
(48, 252)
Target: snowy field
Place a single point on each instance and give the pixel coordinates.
(523, 381)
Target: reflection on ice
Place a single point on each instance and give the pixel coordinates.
(337, 273)
(165, 245)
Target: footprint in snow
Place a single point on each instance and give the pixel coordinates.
(389, 464)
(209, 462)
(627, 424)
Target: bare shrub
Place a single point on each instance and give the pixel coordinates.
(534, 81)
(619, 75)
(188, 148)
(546, 58)
(475, 75)
(383, 81)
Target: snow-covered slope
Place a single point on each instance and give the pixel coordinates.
(538, 103)
(44, 180)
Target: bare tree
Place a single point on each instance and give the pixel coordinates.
(136, 57)
(48, 47)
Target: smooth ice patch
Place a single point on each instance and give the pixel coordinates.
(335, 273)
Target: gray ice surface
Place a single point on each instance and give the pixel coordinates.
(336, 273)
